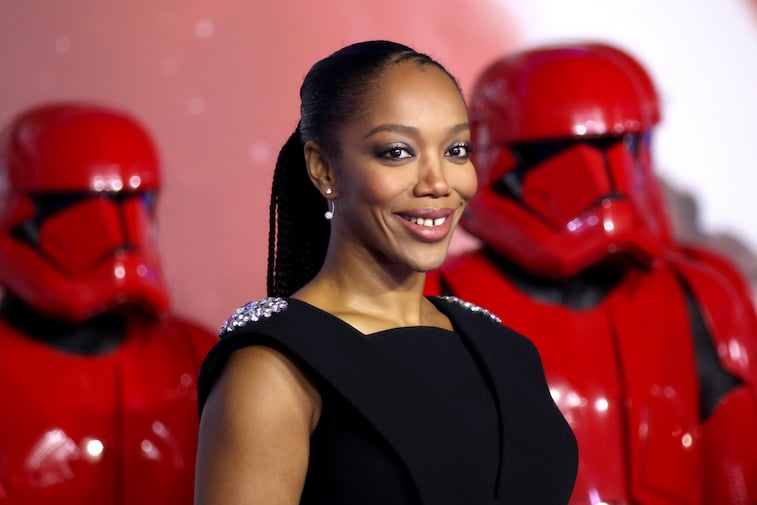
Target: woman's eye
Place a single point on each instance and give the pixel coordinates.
(397, 153)
(460, 151)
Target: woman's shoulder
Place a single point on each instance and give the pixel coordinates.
(481, 323)
(249, 334)
(286, 325)
(255, 311)
(470, 307)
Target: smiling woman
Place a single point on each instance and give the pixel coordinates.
(400, 179)
(347, 385)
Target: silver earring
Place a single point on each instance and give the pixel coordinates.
(329, 214)
(328, 191)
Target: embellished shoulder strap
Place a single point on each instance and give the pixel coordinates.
(253, 311)
(472, 307)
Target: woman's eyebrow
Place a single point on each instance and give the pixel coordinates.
(459, 128)
(395, 128)
(411, 130)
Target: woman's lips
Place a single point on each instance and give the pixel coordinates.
(429, 225)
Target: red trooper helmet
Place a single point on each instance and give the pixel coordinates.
(563, 159)
(77, 190)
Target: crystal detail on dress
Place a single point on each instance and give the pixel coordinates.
(472, 307)
(253, 311)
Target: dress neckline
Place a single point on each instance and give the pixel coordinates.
(353, 329)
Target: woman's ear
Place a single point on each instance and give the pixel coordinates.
(320, 169)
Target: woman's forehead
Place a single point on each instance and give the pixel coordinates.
(410, 90)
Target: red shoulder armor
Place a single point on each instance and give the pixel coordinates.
(727, 306)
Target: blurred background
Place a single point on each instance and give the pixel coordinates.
(216, 83)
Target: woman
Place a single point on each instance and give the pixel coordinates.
(348, 386)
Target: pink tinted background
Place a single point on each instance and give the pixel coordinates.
(216, 83)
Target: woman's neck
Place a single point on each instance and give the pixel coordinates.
(371, 296)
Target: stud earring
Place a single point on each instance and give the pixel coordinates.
(328, 191)
(329, 214)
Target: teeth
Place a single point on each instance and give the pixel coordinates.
(426, 222)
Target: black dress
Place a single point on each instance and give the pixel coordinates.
(416, 415)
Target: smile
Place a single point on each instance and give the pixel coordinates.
(425, 222)
(429, 224)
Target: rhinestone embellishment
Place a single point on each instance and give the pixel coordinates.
(472, 307)
(253, 311)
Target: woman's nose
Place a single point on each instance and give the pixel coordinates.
(432, 180)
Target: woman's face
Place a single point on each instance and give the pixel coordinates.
(404, 175)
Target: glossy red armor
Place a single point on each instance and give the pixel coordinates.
(79, 259)
(593, 105)
(113, 429)
(100, 402)
(652, 361)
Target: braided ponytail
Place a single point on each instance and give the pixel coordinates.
(298, 234)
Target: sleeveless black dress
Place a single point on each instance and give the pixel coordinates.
(416, 415)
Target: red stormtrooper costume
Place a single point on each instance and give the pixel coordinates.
(650, 347)
(99, 394)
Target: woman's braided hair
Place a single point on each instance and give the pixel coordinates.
(335, 91)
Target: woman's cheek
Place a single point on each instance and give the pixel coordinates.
(469, 183)
(381, 188)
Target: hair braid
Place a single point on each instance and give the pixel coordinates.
(298, 234)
